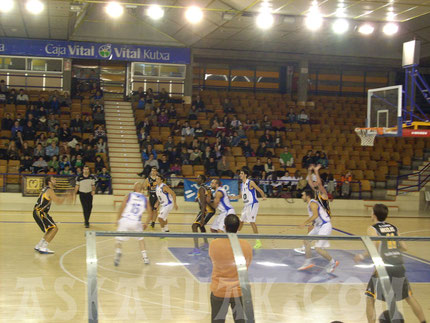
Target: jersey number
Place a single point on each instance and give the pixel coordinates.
(135, 208)
(391, 244)
(245, 197)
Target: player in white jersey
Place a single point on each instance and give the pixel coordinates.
(322, 227)
(130, 219)
(223, 204)
(250, 202)
(167, 199)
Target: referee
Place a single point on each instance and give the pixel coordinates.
(86, 186)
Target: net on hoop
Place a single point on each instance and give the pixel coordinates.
(368, 135)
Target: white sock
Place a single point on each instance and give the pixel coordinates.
(144, 255)
(40, 243)
(166, 228)
(118, 250)
(44, 244)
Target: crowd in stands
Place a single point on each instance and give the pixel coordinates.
(35, 134)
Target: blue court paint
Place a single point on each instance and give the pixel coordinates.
(280, 266)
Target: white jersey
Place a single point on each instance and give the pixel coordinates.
(136, 205)
(249, 195)
(163, 198)
(224, 205)
(323, 216)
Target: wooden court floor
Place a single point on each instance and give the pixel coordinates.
(52, 288)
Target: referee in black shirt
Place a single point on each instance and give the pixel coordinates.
(86, 186)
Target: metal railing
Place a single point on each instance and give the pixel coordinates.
(422, 178)
(248, 309)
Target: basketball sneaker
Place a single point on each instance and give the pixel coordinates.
(152, 225)
(195, 252)
(332, 266)
(204, 247)
(307, 265)
(45, 250)
(302, 250)
(258, 244)
(117, 259)
(146, 260)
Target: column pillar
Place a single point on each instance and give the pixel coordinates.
(188, 82)
(302, 86)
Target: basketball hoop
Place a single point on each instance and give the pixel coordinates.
(368, 135)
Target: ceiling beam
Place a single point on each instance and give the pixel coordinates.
(21, 14)
(79, 20)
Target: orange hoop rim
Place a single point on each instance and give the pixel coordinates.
(379, 130)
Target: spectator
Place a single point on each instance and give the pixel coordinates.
(192, 114)
(52, 122)
(241, 132)
(225, 289)
(267, 138)
(285, 182)
(78, 162)
(196, 157)
(76, 125)
(169, 143)
(323, 161)
(198, 130)
(7, 122)
(65, 133)
(26, 150)
(40, 165)
(262, 150)
(286, 159)
(11, 98)
(265, 182)
(26, 164)
(331, 184)
(42, 125)
(77, 150)
(89, 154)
(98, 117)
(269, 168)
(223, 167)
(211, 167)
(207, 154)
(345, 183)
(16, 128)
(199, 104)
(235, 140)
(12, 151)
(172, 112)
(307, 160)
(177, 128)
(53, 163)
(148, 151)
(43, 103)
(163, 120)
(194, 144)
(235, 123)
(163, 96)
(278, 140)
(87, 125)
(20, 119)
(52, 150)
(98, 105)
(247, 149)
(101, 146)
(291, 116)
(187, 130)
(184, 156)
(98, 97)
(54, 105)
(90, 140)
(99, 164)
(149, 99)
(51, 171)
(176, 169)
(64, 163)
(39, 151)
(100, 132)
(164, 165)
(145, 125)
(303, 117)
(104, 181)
(266, 124)
(52, 138)
(151, 162)
(66, 171)
(138, 95)
(22, 97)
(228, 106)
(141, 103)
(3, 87)
(258, 168)
(65, 100)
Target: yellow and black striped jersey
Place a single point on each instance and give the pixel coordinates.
(43, 203)
(209, 209)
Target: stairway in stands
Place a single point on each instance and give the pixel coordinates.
(124, 152)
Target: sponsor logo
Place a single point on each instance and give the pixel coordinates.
(422, 133)
(72, 50)
(156, 55)
(127, 53)
(2, 47)
(105, 51)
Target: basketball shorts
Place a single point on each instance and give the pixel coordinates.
(218, 223)
(152, 200)
(165, 210)
(125, 224)
(208, 216)
(324, 230)
(249, 213)
(43, 220)
(399, 283)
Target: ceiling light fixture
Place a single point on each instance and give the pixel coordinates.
(34, 7)
(390, 29)
(114, 9)
(6, 5)
(194, 14)
(340, 26)
(155, 12)
(366, 29)
(265, 20)
(314, 19)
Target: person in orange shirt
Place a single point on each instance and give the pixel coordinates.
(225, 288)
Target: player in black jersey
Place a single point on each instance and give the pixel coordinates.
(316, 184)
(41, 216)
(153, 200)
(391, 254)
(204, 197)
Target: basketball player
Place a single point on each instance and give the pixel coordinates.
(250, 201)
(167, 201)
(153, 201)
(223, 204)
(391, 254)
(322, 227)
(130, 219)
(41, 216)
(204, 197)
(321, 195)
